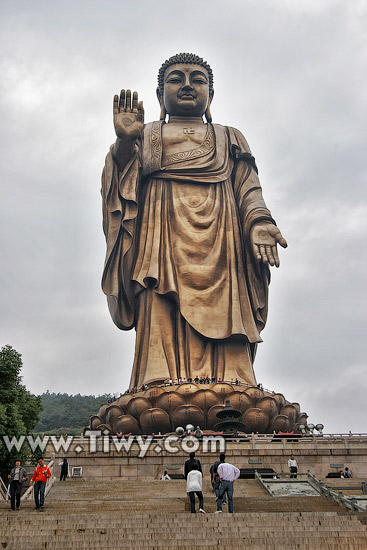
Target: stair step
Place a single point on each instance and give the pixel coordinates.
(150, 515)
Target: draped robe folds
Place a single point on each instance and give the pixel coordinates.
(179, 264)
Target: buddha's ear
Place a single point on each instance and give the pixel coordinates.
(159, 96)
(207, 113)
(163, 112)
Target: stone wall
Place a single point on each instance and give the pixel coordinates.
(319, 454)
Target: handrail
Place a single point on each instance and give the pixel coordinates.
(210, 383)
(264, 486)
(287, 475)
(281, 477)
(307, 438)
(342, 500)
(361, 487)
(3, 489)
(323, 489)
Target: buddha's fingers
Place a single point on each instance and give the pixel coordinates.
(264, 256)
(116, 104)
(274, 232)
(269, 253)
(276, 257)
(128, 101)
(135, 102)
(257, 252)
(140, 115)
(122, 101)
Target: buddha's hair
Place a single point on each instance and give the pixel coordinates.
(190, 58)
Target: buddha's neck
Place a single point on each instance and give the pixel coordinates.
(186, 119)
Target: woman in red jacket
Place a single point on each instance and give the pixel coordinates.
(39, 478)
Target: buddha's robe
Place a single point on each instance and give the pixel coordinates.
(179, 264)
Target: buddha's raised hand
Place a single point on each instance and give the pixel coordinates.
(264, 239)
(128, 115)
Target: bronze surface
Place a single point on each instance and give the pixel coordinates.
(189, 245)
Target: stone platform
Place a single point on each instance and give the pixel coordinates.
(319, 454)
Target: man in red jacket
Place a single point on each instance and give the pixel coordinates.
(39, 478)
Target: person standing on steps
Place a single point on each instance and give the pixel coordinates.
(40, 476)
(190, 463)
(194, 485)
(293, 467)
(227, 475)
(215, 477)
(16, 477)
(64, 472)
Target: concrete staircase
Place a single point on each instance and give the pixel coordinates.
(142, 515)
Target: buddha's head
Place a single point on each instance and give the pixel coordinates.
(185, 86)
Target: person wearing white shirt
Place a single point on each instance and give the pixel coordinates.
(194, 485)
(228, 475)
(165, 476)
(293, 467)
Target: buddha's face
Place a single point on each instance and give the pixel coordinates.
(186, 90)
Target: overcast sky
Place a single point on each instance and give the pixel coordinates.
(291, 75)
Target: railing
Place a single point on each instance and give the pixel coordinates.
(49, 483)
(200, 383)
(255, 439)
(325, 490)
(3, 490)
(259, 478)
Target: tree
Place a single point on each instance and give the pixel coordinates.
(19, 409)
(68, 413)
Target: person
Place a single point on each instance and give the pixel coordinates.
(194, 485)
(190, 463)
(16, 477)
(40, 476)
(188, 234)
(165, 476)
(228, 473)
(215, 480)
(293, 467)
(64, 472)
(347, 473)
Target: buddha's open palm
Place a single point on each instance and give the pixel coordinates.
(264, 239)
(128, 116)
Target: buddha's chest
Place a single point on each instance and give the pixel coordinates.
(182, 137)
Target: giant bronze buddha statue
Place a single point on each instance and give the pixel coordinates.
(189, 245)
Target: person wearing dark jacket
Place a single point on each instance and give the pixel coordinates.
(64, 470)
(215, 480)
(16, 477)
(189, 463)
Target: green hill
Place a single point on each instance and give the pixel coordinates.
(67, 413)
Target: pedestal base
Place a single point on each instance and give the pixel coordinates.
(161, 409)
